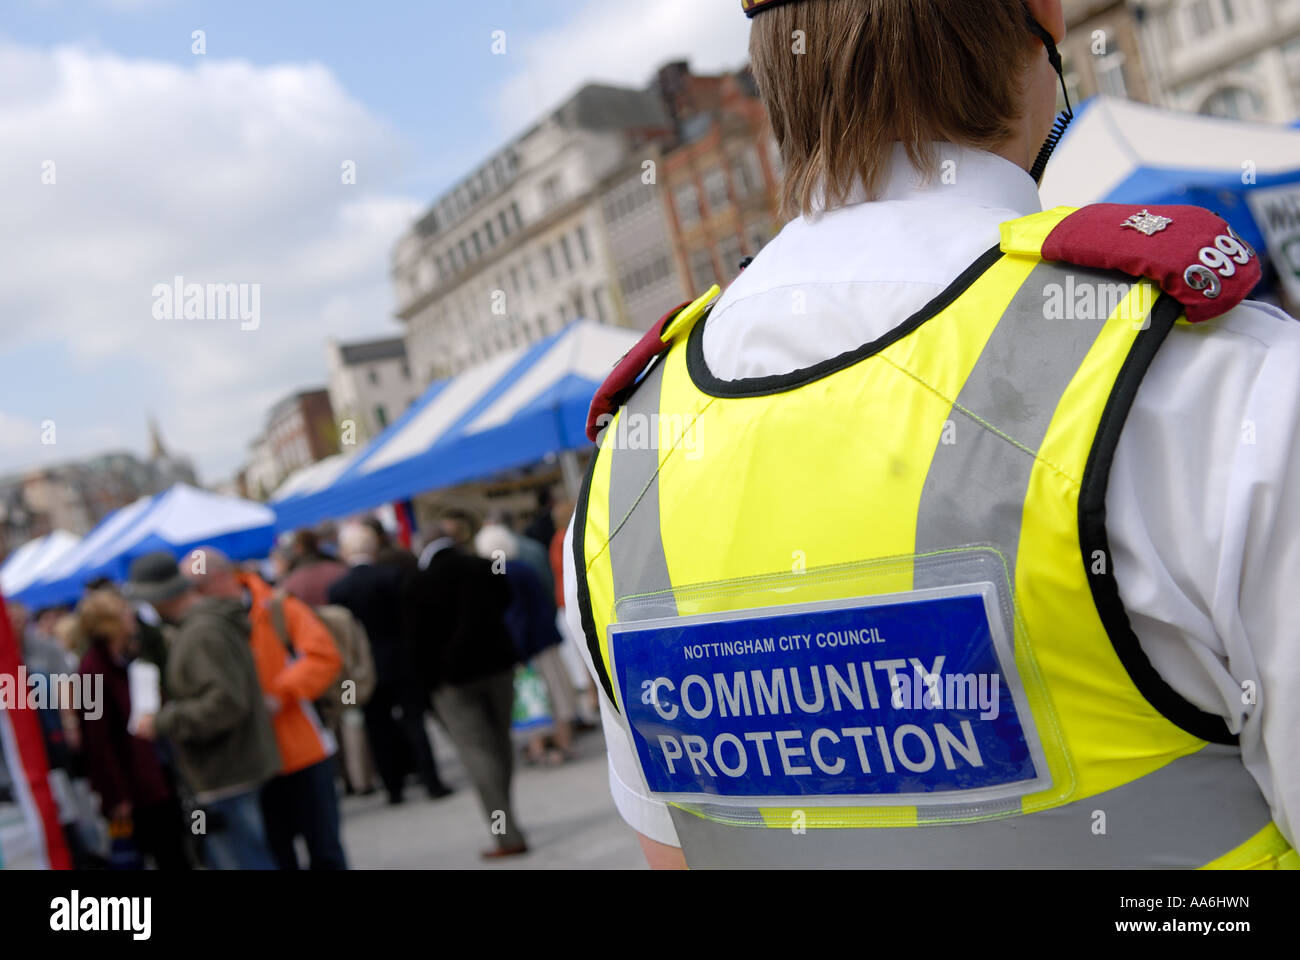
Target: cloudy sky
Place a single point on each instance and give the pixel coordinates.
(129, 159)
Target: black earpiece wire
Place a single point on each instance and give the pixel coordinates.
(1063, 119)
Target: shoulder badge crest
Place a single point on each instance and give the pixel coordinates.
(1190, 252)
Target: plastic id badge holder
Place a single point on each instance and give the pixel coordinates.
(833, 687)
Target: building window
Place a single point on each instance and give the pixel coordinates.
(381, 416)
(715, 190)
(491, 233)
(582, 244)
(703, 273)
(1237, 103)
(687, 202)
(746, 174)
(505, 224)
(1291, 56)
(1201, 18)
(1110, 75)
(514, 280)
(568, 253)
(627, 198)
(598, 296)
(645, 274)
(550, 262)
(1071, 82)
(552, 191)
(528, 269)
(579, 305)
(731, 250)
(406, 370)
(478, 246)
(514, 211)
(374, 377)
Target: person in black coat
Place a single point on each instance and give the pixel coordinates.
(373, 593)
(465, 657)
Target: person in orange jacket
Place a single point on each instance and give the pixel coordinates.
(302, 800)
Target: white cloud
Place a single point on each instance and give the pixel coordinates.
(616, 42)
(29, 443)
(221, 173)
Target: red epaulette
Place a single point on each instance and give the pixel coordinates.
(613, 393)
(1190, 252)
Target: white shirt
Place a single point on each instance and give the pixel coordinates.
(1203, 506)
(433, 548)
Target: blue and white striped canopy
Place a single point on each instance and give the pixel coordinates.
(34, 559)
(511, 411)
(1118, 151)
(176, 521)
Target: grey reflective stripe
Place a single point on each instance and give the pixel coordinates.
(636, 546)
(1183, 815)
(976, 487)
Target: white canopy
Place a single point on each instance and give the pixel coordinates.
(34, 559)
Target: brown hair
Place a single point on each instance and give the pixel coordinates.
(68, 632)
(876, 72)
(99, 614)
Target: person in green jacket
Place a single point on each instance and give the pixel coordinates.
(215, 715)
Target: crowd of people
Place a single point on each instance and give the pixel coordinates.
(239, 701)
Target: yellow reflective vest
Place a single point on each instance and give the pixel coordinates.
(976, 436)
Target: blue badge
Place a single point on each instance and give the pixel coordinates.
(913, 698)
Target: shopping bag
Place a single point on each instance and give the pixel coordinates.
(532, 710)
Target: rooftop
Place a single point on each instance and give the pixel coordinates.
(596, 106)
(370, 351)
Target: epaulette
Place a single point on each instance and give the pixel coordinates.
(1190, 252)
(611, 394)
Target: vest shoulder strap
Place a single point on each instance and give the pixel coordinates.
(1190, 252)
(618, 386)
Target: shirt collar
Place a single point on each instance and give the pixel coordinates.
(962, 175)
(435, 547)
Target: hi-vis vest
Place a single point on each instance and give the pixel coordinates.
(864, 614)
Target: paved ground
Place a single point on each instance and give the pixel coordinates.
(566, 813)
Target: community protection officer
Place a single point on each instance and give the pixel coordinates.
(899, 374)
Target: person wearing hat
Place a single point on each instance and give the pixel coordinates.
(215, 715)
(957, 532)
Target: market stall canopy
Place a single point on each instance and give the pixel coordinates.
(177, 520)
(313, 477)
(61, 583)
(514, 410)
(1118, 151)
(33, 559)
